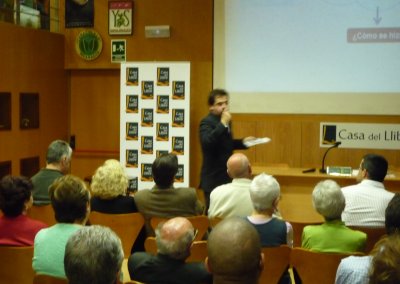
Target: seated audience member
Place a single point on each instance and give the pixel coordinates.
(385, 266)
(234, 252)
(58, 161)
(109, 185)
(332, 235)
(354, 269)
(164, 200)
(16, 229)
(174, 239)
(366, 202)
(93, 255)
(71, 203)
(265, 195)
(233, 199)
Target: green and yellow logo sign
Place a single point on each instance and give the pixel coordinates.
(88, 44)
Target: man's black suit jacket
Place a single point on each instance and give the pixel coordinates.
(217, 144)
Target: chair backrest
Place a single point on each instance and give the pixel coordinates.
(373, 235)
(276, 262)
(150, 245)
(214, 221)
(47, 279)
(199, 222)
(316, 267)
(16, 265)
(44, 213)
(126, 226)
(298, 231)
(198, 251)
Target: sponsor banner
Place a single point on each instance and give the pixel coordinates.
(154, 119)
(360, 135)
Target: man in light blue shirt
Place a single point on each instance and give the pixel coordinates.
(355, 269)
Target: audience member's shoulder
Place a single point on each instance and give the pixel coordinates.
(219, 189)
(138, 258)
(355, 263)
(188, 190)
(41, 234)
(38, 225)
(140, 193)
(349, 189)
(359, 234)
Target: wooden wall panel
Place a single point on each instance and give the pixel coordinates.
(32, 61)
(94, 84)
(295, 140)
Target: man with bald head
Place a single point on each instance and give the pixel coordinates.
(233, 199)
(174, 239)
(234, 252)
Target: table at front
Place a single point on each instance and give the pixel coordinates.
(297, 187)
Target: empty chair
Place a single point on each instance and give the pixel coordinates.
(47, 279)
(126, 226)
(276, 262)
(316, 267)
(16, 265)
(44, 213)
(373, 235)
(200, 223)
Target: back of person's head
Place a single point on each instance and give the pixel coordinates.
(328, 199)
(93, 255)
(174, 238)
(234, 252)
(238, 166)
(264, 192)
(215, 93)
(376, 166)
(109, 180)
(385, 265)
(15, 192)
(392, 215)
(70, 199)
(57, 150)
(164, 169)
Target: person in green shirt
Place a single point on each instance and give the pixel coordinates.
(332, 236)
(70, 200)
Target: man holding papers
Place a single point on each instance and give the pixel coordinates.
(217, 143)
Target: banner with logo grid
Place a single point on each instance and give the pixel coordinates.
(155, 109)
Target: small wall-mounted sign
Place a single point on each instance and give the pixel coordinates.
(88, 44)
(120, 17)
(118, 50)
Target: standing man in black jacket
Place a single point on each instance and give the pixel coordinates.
(217, 143)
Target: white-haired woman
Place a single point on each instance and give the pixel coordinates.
(265, 195)
(333, 235)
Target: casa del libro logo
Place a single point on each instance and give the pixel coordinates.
(361, 135)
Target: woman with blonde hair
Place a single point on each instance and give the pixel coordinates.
(109, 190)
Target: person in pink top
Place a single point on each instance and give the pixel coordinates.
(16, 229)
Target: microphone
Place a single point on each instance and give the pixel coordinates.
(322, 169)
